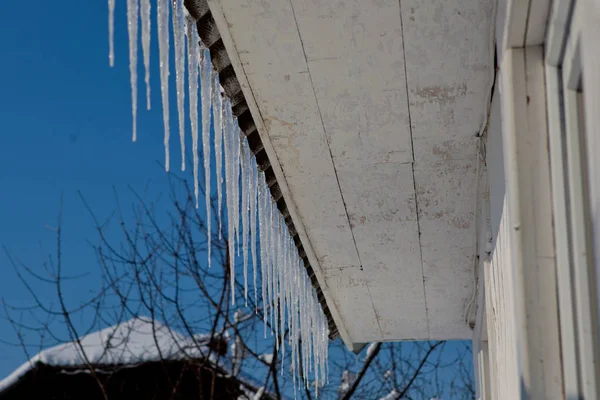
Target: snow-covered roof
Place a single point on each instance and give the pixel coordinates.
(132, 342)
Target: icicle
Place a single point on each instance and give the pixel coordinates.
(206, 90)
(290, 303)
(298, 320)
(262, 218)
(289, 281)
(111, 33)
(290, 287)
(163, 49)
(294, 316)
(179, 40)
(245, 194)
(268, 248)
(277, 271)
(272, 261)
(308, 327)
(277, 268)
(316, 357)
(315, 350)
(218, 127)
(193, 64)
(253, 193)
(146, 46)
(325, 345)
(311, 355)
(305, 341)
(132, 28)
(300, 316)
(299, 323)
(229, 186)
(308, 324)
(304, 331)
(282, 286)
(236, 178)
(270, 255)
(293, 294)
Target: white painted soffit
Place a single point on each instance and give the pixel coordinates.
(376, 157)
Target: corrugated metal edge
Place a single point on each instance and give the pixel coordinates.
(211, 37)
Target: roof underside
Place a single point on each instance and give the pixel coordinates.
(369, 113)
(211, 37)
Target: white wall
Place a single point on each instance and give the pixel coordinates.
(503, 379)
(521, 278)
(591, 82)
(520, 273)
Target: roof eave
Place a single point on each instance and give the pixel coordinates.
(223, 63)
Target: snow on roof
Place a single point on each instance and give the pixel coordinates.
(132, 342)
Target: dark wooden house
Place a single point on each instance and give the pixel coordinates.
(137, 359)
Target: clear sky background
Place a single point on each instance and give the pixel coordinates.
(65, 126)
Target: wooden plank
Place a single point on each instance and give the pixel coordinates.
(566, 301)
(358, 77)
(447, 221)
(365, 116)
(448, 75)
(229, 38)
(381, 206)
(533, 261)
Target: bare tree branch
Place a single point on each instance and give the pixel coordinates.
(372, 355)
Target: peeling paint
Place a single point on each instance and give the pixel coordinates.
(441, 93)
(269, 120)
(342, 135)
(446, 150)
(461, 222)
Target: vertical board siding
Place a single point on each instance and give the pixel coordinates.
(499, 289)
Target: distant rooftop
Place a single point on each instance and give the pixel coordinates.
(137, 342)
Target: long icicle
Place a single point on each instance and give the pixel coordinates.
(271, 255)
(263, 245)
(268, 248)
(179, 40)
(275, 237)
(280, 286)
(218, 127)
(303, 330)
(132, 28)
(193, 64)
(245, 162)
(236, 178)
(253, 193)
(111, 33)
(290, 292)
(296, 338)
(163, 50)
(290, 302)
(206, 92)
(146, 46)
(283, 291)
(227, 139)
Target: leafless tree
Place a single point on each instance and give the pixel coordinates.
(153, 264)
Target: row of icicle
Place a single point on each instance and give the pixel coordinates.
(288, 298)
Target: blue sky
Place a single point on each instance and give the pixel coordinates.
(66, 127)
